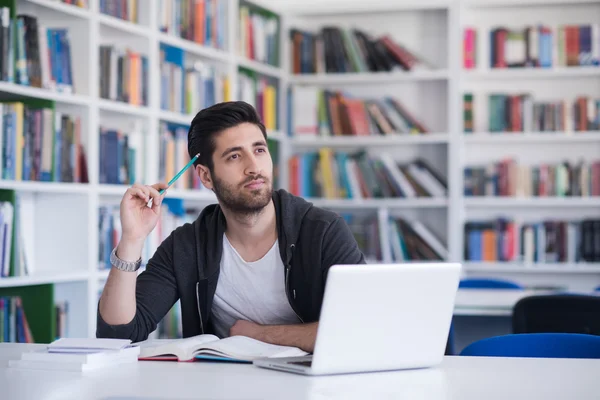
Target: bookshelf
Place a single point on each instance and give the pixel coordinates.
(433, 96)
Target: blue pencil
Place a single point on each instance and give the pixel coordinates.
(180, 173)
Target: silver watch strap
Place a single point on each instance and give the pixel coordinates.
(128, 266)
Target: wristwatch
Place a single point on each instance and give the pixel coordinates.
(128, 266)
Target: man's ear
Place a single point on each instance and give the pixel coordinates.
(204, 175)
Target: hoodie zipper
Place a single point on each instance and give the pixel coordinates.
(199, 310)
(287, 274)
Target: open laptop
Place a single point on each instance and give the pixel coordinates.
(378, 317)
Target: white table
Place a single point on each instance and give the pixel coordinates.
(461, 378)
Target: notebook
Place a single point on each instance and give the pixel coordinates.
(210, 347)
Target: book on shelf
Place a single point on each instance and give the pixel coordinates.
(201, 21)
(174, 156)
(258, 34)
(17, 226)
(413, 241)
(33, 54)
(37, 322)
(536, 46)
(14, 327)
(51, 143)
(123, 75)
(262, 93)
(521, 112)
(188, 86)
(365, 229)
(533, 242)
(508, 178)
(334, 175)
(121, 155)
(321, 112)
(77, 3)
(335, 49)
(210, 347)
(127, 10)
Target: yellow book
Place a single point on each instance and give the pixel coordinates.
(20, 141)
(329, 180)
(269, 107)
(226, 89)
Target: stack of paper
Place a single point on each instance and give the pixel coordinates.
(79, 355)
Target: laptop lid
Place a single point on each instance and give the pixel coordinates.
(378, 317)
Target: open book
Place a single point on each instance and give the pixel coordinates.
(234, 348)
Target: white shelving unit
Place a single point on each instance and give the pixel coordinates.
(65, 235)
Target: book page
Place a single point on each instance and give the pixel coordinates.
(183, 348)
(245, 348)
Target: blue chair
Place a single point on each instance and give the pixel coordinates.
(540, 345)
(478, 283)
(488, 283)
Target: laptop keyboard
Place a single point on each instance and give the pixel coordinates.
(304, 363)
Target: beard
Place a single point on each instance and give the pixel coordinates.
(240, 201)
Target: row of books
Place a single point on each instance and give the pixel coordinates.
(41, 144)
(322, 112)
(365, 229)
(121, 156)
(200, 21)
(539, 46)
(34, 54)
(411, 240)
(522, 113)
(508, 178)
(187, 87)
(14, 327)
(263, 93)
(340, 175)
(16, 224)
(123, 75)
(258, 34)
(174, 156)
(77, 3)
(336, 49)
(547, 241)
(127, 10)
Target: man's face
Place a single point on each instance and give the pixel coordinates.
(243, 169)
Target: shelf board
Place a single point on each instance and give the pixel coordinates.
(369, 77)
(175, 117)
(259, 67)
(380, 203)
(112, 190)
(64, 8)
(276, 135)
(320, 8)
(194, 48)
(192, 195)
(491, 202)
(532, 137)
(33, 92)
(362, 141)
(46, 187)
(123, 25)
(44, 278)
(535, 268)
(123, 108)
(526, 3)
(532, 73)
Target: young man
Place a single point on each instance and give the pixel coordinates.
(255, 264)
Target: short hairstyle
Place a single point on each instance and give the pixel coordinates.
(211, 121)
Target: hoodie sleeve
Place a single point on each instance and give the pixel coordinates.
(339, 246)
(155, 293)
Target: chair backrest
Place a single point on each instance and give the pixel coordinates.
(544, 345)
(487, 283)
(559, 313)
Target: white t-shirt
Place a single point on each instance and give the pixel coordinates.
(252, 291)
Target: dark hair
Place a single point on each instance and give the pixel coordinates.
(212, 120)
